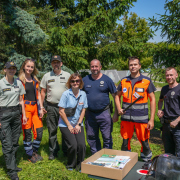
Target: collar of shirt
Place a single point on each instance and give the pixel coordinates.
(72, 94)
(140, 78)
(8, 84)
(53, 74)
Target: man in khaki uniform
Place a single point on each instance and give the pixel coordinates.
(54, 83)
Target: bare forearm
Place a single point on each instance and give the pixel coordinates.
(160, 104)
(153, 108)
(43, 94)
(82, 116)
(64, 117)
(21, 102)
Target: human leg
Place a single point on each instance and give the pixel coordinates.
(106, 125)
(52, 124)
(127, 130)
(143, 135)
(9, 135)
(92, 131)
(71, 144)
(81, 148)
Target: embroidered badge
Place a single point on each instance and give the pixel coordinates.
(172, 93)
(55, 56)
(51, 80)
(124, 90)
(11, 63)
(7, 89)
(101, 82)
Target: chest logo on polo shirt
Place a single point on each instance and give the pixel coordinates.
(88, 86)
(101, 82)
(62, 77)
(51, 80)
(172, 93)
(124, 90)
(7, 89)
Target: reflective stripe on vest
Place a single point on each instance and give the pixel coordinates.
(134, 117)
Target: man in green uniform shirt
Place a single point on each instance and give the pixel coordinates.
(54, 83)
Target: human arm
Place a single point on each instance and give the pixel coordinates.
(77, 128)
(43, 94)
(160, 113)
(21, 102)
(115, 116)
(41, 104)
(65, 119)
(118, 103)
(150, 124)
(174, 123)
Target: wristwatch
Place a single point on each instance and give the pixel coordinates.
(79, 124)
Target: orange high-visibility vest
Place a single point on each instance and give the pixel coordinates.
(139, 111)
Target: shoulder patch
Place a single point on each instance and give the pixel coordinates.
(124, 90)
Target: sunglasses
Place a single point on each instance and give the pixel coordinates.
(77, 81)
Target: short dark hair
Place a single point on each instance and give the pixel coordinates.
(133, 58)
(73, 76)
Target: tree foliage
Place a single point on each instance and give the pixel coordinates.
(39, 29)
(169, 23)
(128, 39)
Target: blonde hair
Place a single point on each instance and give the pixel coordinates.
(22, 73)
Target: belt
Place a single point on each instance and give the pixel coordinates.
(99, 111)
(51, 104)
(167, 121)
(30, 102)
(10, 108)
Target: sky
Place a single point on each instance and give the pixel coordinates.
(150, 8)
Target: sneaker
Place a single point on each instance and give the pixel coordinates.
(14, 177)
(37, 156)
(18, 169)
(32, 159)
(52, 156)
(70, 169)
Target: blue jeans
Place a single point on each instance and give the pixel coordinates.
(95, 122)
(171, 139)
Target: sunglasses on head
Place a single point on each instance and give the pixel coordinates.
(31, 60)
(77, 81)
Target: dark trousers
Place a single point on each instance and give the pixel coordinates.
(10, 131)
(171, 139)
(76, 147)
(52, 124)
(95, 122)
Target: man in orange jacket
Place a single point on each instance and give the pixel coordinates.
(131, 87)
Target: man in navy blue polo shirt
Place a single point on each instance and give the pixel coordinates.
(170, 94)
(97, 87)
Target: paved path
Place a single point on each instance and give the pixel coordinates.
(158, 89)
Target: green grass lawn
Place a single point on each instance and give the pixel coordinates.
(56, 169)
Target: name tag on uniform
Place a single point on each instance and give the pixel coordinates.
(139, 89)
(51, 80)
(62, 77)
(62, 82)
(88, 86)
(16, 86)
(81, 103)
(7, 89)
(101, 85)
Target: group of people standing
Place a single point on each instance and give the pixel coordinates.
(71, 98)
